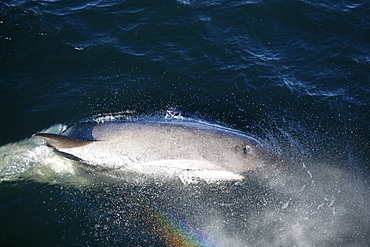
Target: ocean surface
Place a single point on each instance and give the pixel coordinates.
(293, 73)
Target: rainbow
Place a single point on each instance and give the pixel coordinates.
(174, 231)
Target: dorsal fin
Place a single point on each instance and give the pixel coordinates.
(61, 142)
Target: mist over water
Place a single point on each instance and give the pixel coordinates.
(292, 73)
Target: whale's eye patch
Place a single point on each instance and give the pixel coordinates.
(247, 150)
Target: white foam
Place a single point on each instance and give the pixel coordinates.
(209, 176)
(32, 159)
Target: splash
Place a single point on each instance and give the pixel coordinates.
(31, 159)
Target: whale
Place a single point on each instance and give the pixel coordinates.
(180, 144)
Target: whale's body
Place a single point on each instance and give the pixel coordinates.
(163, 143)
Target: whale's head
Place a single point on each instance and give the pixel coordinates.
(244, 153)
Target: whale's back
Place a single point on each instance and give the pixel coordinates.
(181, 144)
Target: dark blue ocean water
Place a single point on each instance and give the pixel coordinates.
(292, 72)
